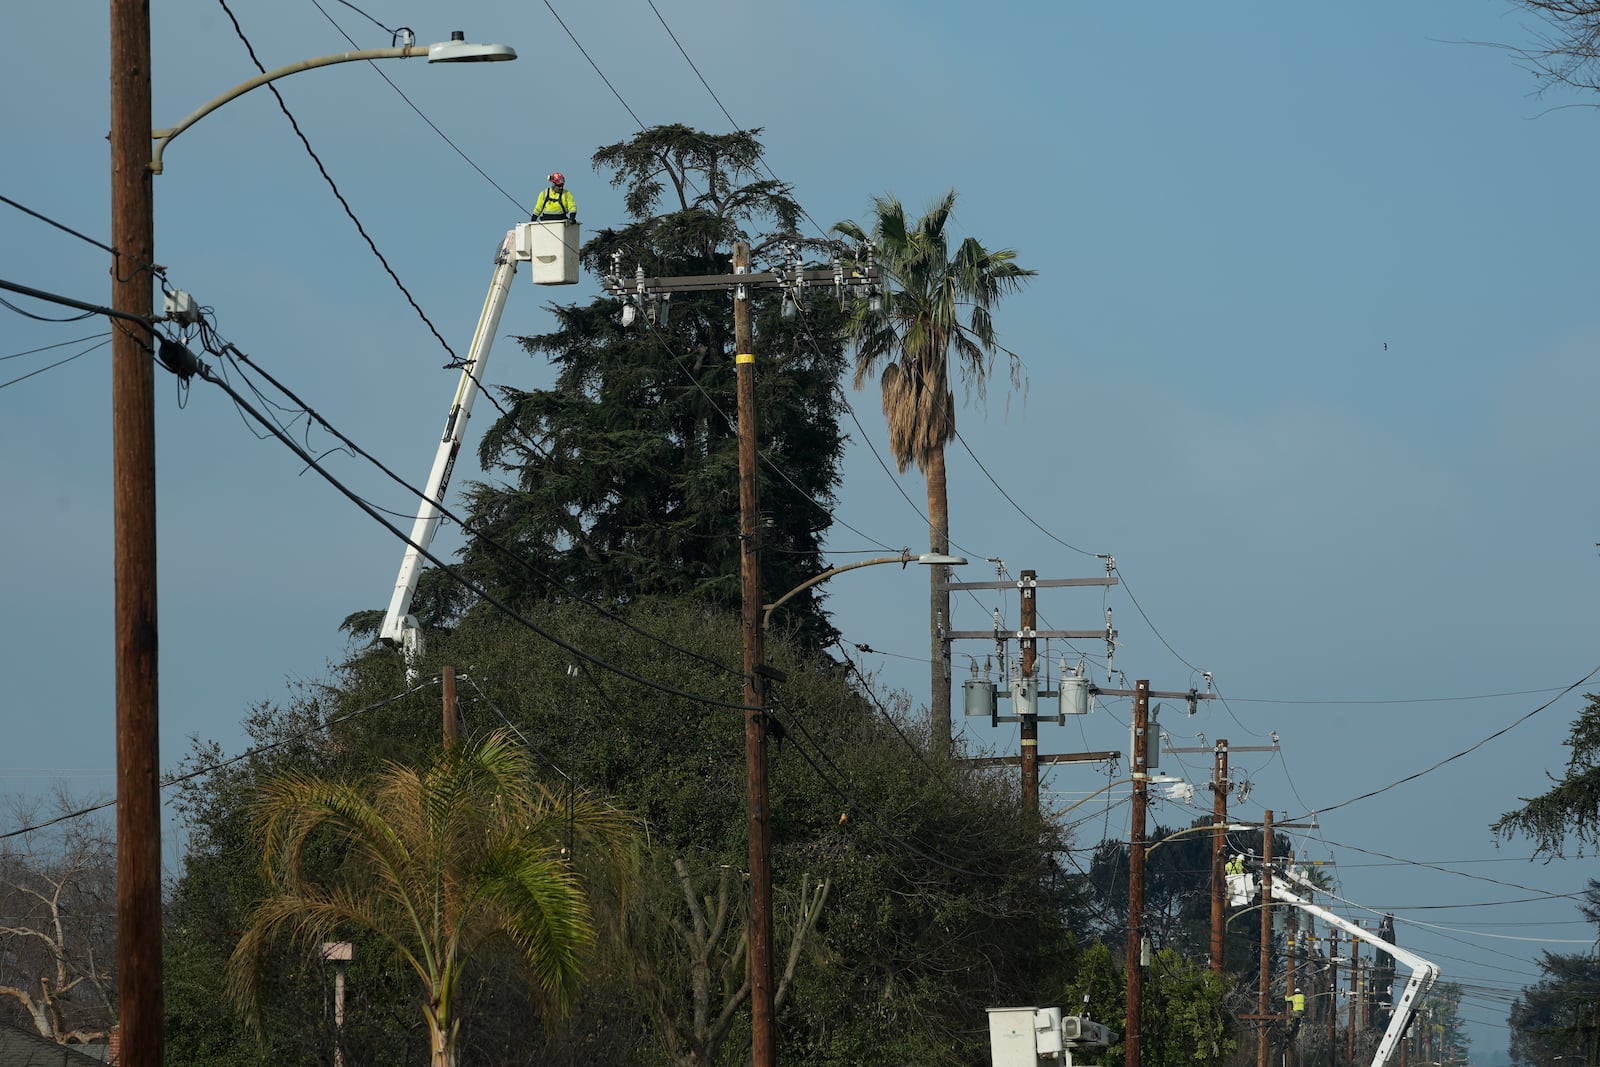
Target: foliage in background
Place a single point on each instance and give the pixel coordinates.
(460, 860)
(622, 478)
(932, 326)
(1571, 809)
(940, 900)
(58, 908)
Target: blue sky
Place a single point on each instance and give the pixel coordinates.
(1311, 351)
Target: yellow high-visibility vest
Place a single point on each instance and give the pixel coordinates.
(554, 201)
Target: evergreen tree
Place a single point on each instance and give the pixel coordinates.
(622, 477)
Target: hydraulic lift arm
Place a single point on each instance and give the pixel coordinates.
(1241, 890)
(525, 242)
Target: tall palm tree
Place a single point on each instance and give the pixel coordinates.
(932, 324)
(459, 858)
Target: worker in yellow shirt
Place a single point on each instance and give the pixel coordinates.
(555, 203)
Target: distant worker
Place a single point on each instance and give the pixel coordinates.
(555, 203)
(1235, 865)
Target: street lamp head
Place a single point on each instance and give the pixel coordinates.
(458, 50)
(939, 559)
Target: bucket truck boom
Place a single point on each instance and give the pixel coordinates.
(1242, 890)
(552, 248)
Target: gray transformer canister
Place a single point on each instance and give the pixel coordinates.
(1025, 696)
(1074, 696)
(980, 696)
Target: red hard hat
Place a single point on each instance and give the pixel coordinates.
(558, 178)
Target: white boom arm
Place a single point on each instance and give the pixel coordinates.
(523, 243)
(1423, 972)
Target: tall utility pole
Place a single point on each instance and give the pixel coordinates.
(1355, 995)
(133, 439)
(1219, 813)
(1333, 993)
(1138, 762)
(1027, 637)
(1030, 723)
(1266, 939)
(636, 292)
(448, 685)
(1289, 988)
(1221, 786)
(763, 1038)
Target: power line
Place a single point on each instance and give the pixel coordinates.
(593, 64)
(57, 363)
(208, 375)
(348, 210)
(376, 69)
(212, 768)
(63, 227)
(517, 558)
(67, 301)
(58, 344)
(1448, 759)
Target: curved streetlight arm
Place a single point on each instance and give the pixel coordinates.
(1226, 826)
(927, 559)
(454, 51)
(903, 558)
(163, 136)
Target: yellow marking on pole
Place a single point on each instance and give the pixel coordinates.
(744, 357)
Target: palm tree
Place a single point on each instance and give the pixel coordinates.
(913, 339)
(460, 858)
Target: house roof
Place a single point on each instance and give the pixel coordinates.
(22, 1048)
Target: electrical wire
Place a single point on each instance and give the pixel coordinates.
(517, 558)
(67, 301)
(450, 572)
(348, 210)
(58, 344)
(212, 768)
(1014, 504)
(378, 70)
(1449, 759)
(63, 227)
(57, 363)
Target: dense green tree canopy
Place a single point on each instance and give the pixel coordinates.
(939, 900)
(621, 477)
(1570, 811)
(467, 857)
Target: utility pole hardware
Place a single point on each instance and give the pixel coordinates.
(133, 438)
(1024, 686)
(651, 296)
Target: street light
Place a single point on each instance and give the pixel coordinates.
(456, 50)
(1213, 826)
(926, 559)
(134, 620)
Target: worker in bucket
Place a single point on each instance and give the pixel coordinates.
(555, 203)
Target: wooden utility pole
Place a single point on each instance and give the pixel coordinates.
(1221, 785)
(1355, 995)
(1030, 718)
(1333, 994)
(763, 1037)
(1290, 947)
(1266, 938)
(133, 441)
(1138, 761)
(448, 684)
(1219, 838)
(763, 1032)
(1027, 636)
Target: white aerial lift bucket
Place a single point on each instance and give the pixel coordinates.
(551, 249)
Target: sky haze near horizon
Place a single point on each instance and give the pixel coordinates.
(1311, 352)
